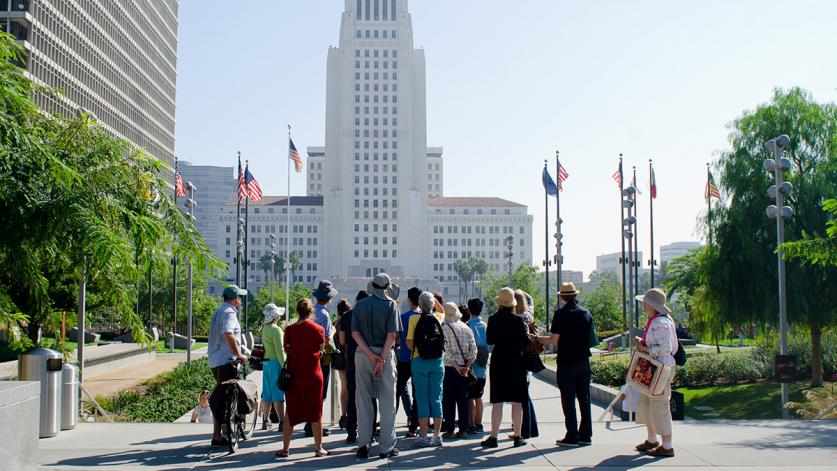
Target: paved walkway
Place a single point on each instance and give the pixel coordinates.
(698, 444)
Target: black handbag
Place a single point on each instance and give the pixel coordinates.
(283, 382)
(533, 362)
(338, 360)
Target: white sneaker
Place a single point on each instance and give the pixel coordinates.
(437, 441)
(422, 442)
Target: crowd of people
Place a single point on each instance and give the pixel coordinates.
(432, 361)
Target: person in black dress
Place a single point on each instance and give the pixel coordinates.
(507, 333)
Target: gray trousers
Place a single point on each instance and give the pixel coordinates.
(367, 386)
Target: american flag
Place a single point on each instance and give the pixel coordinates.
(179, 187)
(617, 175)
(562, 176)
(242, 188)
(653, 185)
(294, 155)
(253, 188)
(711, 188)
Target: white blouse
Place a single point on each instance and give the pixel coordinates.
(661, 339)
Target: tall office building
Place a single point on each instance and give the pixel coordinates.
(375, 162)
(116, 59)
(677, 249)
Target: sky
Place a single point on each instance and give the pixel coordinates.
(511, 82)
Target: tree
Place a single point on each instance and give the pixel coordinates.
(746, 239)
(77, 204)
(265, 266)
(605, 301)
(262, 298)
(295, 264)
(814, 250)
(524, 277)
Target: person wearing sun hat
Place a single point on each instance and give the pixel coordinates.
(660, 342)
(572, 327)
(460, 353)
(274, 359)
(507, 373)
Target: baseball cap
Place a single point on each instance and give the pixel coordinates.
(232, 291)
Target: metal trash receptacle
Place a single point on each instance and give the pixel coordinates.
(69, 396)
(44, 365)
(678, 406)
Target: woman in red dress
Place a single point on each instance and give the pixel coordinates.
(304, 341)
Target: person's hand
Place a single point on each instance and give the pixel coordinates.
(373, 358)
(379, 366)
(242, 358)
(462, 371)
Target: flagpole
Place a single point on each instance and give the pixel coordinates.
(559, 261)
(174, 268)
(246, 241)
(651, 215)
(624, 260)
(546, 243)
(709, 203)
(637, 261)
(288, 240)
(238, 225)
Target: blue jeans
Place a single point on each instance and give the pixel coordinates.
(427, 379)
(454, 396)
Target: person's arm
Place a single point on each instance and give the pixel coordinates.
(341, 337)
(363, 347)
(229, 338)
(392, 337)
(194, 416)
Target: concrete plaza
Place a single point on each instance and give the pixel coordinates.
(714, 444)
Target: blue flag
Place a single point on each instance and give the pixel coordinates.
(549, 184)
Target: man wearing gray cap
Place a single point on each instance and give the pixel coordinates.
(375, 328)
(224, 348)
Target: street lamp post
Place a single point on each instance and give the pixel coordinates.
(272, 264)
(510, 255)
(627, 232)
(778, 165)
(190, 203)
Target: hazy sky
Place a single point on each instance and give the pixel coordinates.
(508, 83)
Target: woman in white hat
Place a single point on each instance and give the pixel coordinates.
(274, 358)
(660, 342)
(507, 333)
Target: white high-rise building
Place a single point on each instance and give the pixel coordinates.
(677, 249)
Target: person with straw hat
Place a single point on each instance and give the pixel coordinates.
(660, 342)
(460, 353)
(571, 330)
(510, 338)
(274, 358)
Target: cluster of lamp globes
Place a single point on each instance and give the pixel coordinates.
(777, 165)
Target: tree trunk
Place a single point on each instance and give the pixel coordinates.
(816, 354)
(33, 332)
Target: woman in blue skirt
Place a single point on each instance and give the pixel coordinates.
(274, 358)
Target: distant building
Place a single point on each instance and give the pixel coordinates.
(215, 187)
(610, 263)
(576, 277)
(116, 59)
(677, 249)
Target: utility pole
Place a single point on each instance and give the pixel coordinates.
(272, 264)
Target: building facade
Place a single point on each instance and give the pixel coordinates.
(610, 262)
(215, 187)
(115, 59)
(677, 249)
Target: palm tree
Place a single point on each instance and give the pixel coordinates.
(295, 264)
(264, 265)
(481, 267)
(279, 269)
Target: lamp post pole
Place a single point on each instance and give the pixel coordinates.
(190, 203)
(272, 264)
(510, 256)
(778, 165)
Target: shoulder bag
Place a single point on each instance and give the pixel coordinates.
(283, 382)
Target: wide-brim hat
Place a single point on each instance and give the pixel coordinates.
(568, 289)
(382, 287)
(505, 298)
(271, 312)
(452, 313)
(656, 298)
(324, 291)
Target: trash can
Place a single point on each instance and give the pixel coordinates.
(69, 396)
(44, 365)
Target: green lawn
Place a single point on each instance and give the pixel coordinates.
(742, 401)
(161, 347)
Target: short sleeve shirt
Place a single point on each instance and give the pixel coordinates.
(375, 319)
(224, 320)
(404, 354)
(323, 319)
(572, 323)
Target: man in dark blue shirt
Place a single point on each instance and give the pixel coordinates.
(571, 331)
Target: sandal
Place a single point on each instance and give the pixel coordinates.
(282, 453)
(320, 453)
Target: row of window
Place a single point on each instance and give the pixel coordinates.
(375, 179)
(375, 121)
(375, 253)
(467, 211)
(437, 242)
(376, 110)
(364, 10)
(375, 204)
(376, 53)
(376, 76)
(376, 215)
(475, 229)
(376, 34)
(384, 156)
(383, 240)
(384, 191)
(376, 64)
(374, 227)
(454, 255)
(375, 133)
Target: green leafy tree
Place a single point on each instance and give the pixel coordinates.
(814, 250)
(524, 277)
(78, 204)
(605, 301)
(262, 298)
(743, 275)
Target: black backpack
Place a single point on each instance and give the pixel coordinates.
(429, 338)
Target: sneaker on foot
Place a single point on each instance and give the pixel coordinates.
(462, 434)
(437, 441)
(326, 432)
(519, 441)
(410, 434)
(567, 443)
(351, 438)
(646, 446)
(362, 452)
(490, 442)
(390, 454)
(422, 442)
(585, 441)
(264, 425)
(449, 435)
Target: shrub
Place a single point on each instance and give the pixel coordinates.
(610, 373)
(799, 345)
(164, 398)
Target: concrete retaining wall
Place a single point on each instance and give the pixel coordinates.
(599, 394)
(20, 412)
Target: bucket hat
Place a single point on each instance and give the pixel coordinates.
(324, 291)
(452, 313)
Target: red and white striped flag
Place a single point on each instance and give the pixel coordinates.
(562, 176)
(653, 185)
(179, 187)
(242, 187)
(617, 176)
(253, 188)
(293, 154)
